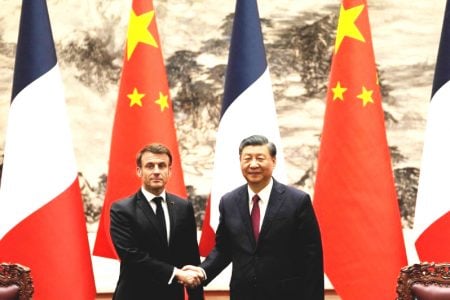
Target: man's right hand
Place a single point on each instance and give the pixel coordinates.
(189, 276)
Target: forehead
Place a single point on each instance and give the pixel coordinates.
(149, 157)
(256, 150)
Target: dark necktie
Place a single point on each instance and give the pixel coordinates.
(160, 216)
(255, 215)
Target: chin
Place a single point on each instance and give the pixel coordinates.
(254, 180)
(157, 186)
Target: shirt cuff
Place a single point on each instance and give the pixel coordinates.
(204, 274)
(173, 275)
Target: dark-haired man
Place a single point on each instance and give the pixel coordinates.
(269, 232)
(154, 234)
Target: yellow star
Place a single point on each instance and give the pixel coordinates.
(135, 98)
(338, 91)
(365, 96)
(346, 25)
(162, 101)
(138, 31)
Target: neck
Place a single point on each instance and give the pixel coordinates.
(156, 192)
(258, 187)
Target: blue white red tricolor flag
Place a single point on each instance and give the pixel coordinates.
(432, 215)
(42, 220)
(248, 108)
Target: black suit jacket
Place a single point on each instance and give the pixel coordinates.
(286, 262)
(147, 261)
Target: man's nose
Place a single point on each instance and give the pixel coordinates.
(254, 163)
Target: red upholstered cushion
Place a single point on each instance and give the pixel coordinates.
(9, 292)
(430, 292)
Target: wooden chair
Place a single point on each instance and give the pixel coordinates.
(424, 281)
(15, 282)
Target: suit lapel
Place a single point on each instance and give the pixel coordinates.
(276, 200)
(150, 215)
(171, 207)
(242, 202)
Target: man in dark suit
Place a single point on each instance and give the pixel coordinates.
(154, 234)
(273, 241)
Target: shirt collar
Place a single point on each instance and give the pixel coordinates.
(149, 196)
(264, 194)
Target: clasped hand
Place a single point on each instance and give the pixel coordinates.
(190, 276)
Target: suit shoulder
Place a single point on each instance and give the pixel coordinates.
(178, 200)
(174, 197)
(295, 190)
(237, 191)
(124, 203)
(292, 191)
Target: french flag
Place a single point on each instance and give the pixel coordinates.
(248, 108)
(42, 221)
(432, 215)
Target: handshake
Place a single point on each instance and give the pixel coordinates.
(190, 276)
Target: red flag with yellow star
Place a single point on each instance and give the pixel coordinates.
(143, 115)
(355, 197)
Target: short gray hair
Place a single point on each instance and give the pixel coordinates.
(258, 140)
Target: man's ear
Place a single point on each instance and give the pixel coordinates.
(139, 172)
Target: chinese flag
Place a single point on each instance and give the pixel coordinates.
(143, 115)
(355, 198)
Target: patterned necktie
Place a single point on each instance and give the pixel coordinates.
(255, 215)
(160, 216)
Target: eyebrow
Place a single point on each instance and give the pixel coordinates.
(156, 163)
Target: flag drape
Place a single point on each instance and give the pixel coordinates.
(144, 115)
(248, 108)
(355, 197)
(42, 220)
(432, 214)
